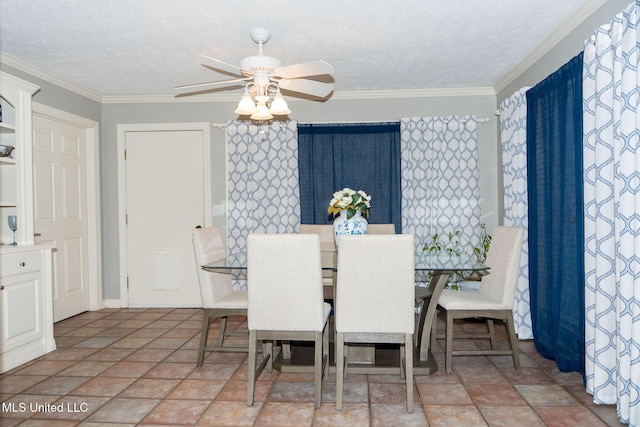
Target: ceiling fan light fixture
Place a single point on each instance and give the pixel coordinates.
(264, 76)
(262, 112)
(246, 105)
(279, 106)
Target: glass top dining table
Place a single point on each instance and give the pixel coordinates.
(423, 260)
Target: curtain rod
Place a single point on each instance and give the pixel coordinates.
(482, 120)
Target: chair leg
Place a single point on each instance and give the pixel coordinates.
(268, 352)
(286, 349)
(223, 329)
(424, 305)
(492, 333)
(317, 368)
(251, 368)
(403, 368)
(408, 363)
(513, 340)
(448, 345)
(340, 362)
(325, 350)
(204, 334)
(434, 327)
(346, 358)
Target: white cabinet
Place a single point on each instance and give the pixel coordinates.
(26, 310)
(16, 172)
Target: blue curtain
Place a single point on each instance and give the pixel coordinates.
(556, 224)
(362, 156)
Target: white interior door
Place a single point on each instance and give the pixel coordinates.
(60, 210)
(165, 200)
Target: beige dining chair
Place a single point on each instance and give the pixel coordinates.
(375, 300)
(327, 244)
(381, 229)
(218, 297)
(493, 300)
(325, 231)
(284, 278)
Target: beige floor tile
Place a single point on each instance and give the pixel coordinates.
(285, 414)
(230, 414)
(177, 412)
(150, 388)
(124, 410)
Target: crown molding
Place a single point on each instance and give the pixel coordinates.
(49, 77)
(346, 95)
(555, 38)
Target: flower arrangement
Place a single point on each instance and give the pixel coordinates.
(351, 201)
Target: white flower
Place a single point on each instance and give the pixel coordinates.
(351, 201)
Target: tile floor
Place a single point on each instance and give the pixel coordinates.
(137, 366)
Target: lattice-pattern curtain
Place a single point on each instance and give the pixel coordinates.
(439, 164)
(513, 132)
(262, 182)
(612, 210)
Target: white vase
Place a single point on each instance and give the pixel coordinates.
(357, 224)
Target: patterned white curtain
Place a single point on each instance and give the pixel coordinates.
(612, 212)
(263, 194)
(513, 132)
(439, 164)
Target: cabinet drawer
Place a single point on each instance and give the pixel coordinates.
(24, 262)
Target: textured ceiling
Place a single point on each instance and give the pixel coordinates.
(146, 47)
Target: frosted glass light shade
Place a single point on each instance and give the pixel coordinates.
(262, 112)
(246, 105)
(279, 106)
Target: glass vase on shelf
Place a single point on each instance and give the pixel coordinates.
(12, 220)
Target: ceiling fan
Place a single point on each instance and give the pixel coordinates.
(265, 76)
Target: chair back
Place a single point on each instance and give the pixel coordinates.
(284, 282)
(375, 284)
(208, 248)
(381, 229)
(503, 259)
(325, 231)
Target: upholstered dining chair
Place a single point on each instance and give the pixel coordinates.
(325, 231)
(381, 229)
(218, 297)
(375, 300)
(284, 280)
(327, 244)
(493, 300)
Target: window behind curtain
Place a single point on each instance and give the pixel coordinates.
(364, 156)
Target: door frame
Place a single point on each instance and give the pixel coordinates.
(92, 175)
(122, 130)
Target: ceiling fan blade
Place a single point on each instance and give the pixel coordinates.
(311, 87)
(313, 68)
(221, 82)
(225, 65)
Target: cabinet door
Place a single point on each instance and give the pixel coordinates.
(21, 310)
